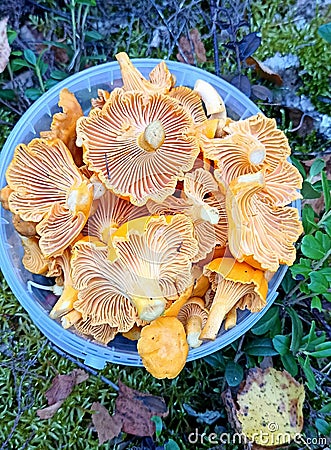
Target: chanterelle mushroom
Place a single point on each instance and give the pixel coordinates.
(156, 254)
(193, 316)
(111, 212)
(163, 347)
(145, 265)
(232, 280)
(161, 79)
(48, 188)
(258, 230)
(150, 139)
(69, 295)
(103, 333)
(204, 203)
(33, 259)
(64, 124)
(101, 285)
(251, 145)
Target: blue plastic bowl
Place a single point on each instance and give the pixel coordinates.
(38, 118)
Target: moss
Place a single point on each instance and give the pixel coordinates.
(281, 32)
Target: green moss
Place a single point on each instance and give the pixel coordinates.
(281, 33)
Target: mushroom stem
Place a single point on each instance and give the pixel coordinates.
(70, 319)
(257, 155)
(147, 297)
(231, 319)
(57, 290)
(205, 212)
(65, 303)
(80, 198)
(228, 293)
(153, 136)
(193, 329)
(148, 308)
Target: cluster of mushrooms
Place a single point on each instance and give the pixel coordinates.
(158, 215)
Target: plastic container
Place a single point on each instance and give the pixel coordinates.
(38, 118)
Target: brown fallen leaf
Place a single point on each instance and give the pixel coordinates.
(4, 46)
(264, 71)
(62, 386)
(190, 46)
(49, 411)
(136, 409)
(107, 426)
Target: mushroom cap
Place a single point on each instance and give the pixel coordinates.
(48, 187)
(24, 228)
(163, 348)
(190, 101)
(100, 284)
(156, 249)
(204, 203)
(238, 272)
(103, 96)
(111, 212)
(175, 306)
(33, 259)
(231, 280)
(160, 77)
(283, 184)
(257, 229)
(213, 102)
(133, 334)
(4, 196)
(251, 145)
(102, 333)
(114, 141)
(64, 124)
(194, 306)
(59, 229)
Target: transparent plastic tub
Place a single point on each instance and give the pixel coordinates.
(38, 118)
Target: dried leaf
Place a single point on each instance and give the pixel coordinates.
(62, 386)
(199, 48)
(264, 71)
(136, 409)
(60, 55)
(192, 46)
(242, 83)
(4, 46)
(49, 411)
(107, 426)
(270, 406)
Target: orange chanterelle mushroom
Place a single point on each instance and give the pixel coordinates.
(48, 188)
(232, 281)
(204, 203)
(250, 145)
(148, 262)
(139, 144)
(64, 124)
(260, 232)
(163, 347)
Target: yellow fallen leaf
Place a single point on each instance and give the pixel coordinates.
(270, 407)
(4, 46)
